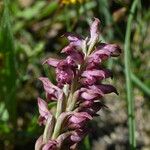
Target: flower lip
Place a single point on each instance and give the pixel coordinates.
(64, 76)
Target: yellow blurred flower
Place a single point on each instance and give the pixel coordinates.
(71, 1)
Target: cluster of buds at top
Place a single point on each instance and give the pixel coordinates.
(79, 90)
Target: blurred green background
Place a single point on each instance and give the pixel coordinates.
(30, 32)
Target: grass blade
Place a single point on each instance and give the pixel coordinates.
(140, 84)
(7, 70)
(127, 60)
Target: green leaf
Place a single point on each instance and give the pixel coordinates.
(8, 69)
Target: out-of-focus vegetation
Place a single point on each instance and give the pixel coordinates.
(30, 31)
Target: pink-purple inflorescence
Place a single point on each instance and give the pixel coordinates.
(79, 90)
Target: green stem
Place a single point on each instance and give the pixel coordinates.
(48, 129)
(59, 108)
(72, 103)
(67, 18)
(59, 123)
(87, 143)
(127, 60)
(62, 137)
(140, 84)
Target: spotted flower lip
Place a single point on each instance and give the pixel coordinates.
(64, 76)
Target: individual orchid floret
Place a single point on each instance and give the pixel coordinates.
(78, 120)
(43, 110)
(94, 33)
(51, 145)
(65, 72)
(53, 92)
(96, 91)
(75, 40)
(101, 53)
(93, 76)
(91, 107)
(113, 49)
(79, 91)
(78, 135)
(52, 62)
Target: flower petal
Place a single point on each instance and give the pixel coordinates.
(69, 48)
(43, 107)
(113, 49)
(64, 76)
(94, 31)
(75, 39)
(80, 117)
(101, 74)
(51, 145)
(53, 91)
(39, 143)
(91, 76)
(104, 88)
(52, 62)
(76, 56)
(78, 135)
(96, 58)
(90, 93)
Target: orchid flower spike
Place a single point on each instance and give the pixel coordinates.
(78, 92)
